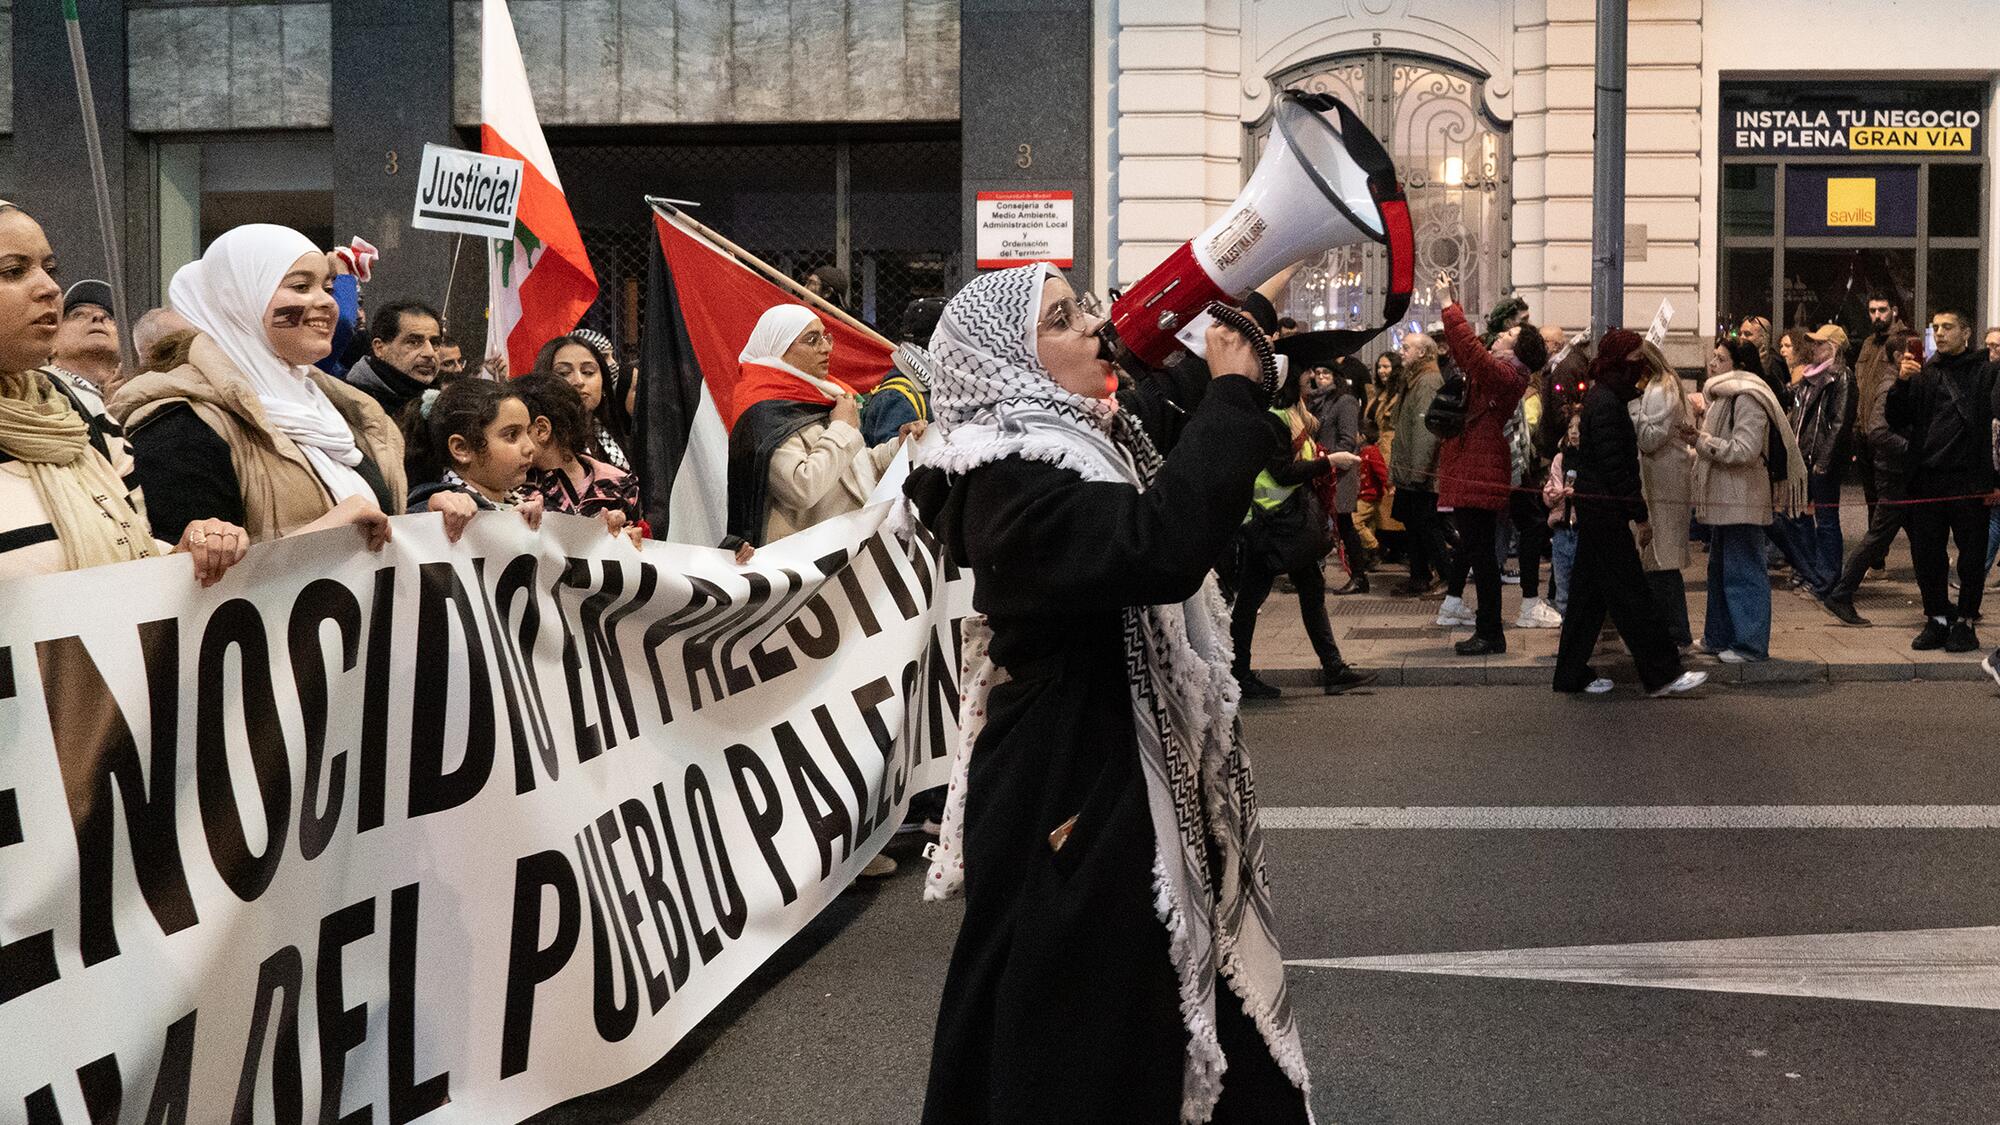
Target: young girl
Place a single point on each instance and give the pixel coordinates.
(470, 445)
(569, 479)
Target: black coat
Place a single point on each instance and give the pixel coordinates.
(1061, 1002)
(1823, 419)
(1947, 411)
(1607, 455)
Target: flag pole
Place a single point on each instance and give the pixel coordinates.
(114, 263)
(452, 278)
(681, 218)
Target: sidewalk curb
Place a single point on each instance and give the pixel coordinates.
(1505, 673)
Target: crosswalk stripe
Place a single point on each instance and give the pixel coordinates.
(1651, 817)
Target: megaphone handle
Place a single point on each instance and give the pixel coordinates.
(1267, 360)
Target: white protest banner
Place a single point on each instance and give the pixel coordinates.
(1015, 228)
(467, 192)
(1656, 333)
(448, 833)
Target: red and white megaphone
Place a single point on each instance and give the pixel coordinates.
(1325, 181)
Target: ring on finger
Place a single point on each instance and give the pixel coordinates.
(199, 537)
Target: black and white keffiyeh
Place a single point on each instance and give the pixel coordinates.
(993, 399)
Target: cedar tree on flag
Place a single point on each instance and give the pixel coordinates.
(541, 282)
(701, 304)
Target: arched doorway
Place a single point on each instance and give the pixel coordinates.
(1456, 164)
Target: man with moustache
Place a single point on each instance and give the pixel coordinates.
(402, 360)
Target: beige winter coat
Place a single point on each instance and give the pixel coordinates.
(281, 492)
(1666, 472)
(1735, 482)
(823, 471)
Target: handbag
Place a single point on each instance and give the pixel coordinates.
(1294, 535)
(1445, 416)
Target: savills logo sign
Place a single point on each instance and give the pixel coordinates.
(1850, 202)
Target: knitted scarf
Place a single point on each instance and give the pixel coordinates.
(1790, 499)
(84, 497)
(994, 400)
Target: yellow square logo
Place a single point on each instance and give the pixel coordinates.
(1850, 202)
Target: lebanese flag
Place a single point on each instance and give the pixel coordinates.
(540, 283)
(701, 304)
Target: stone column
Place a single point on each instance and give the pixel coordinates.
(392, 83)
(1025, 79)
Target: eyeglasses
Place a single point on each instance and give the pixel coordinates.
(814, 339)
(1072, 313)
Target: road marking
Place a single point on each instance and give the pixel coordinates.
(1954, 968)
(1487, 817)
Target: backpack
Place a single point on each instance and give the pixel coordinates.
(1446, 415)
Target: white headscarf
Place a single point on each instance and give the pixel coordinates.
(777, 330)
(224, 295)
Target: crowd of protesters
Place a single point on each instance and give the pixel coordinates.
(1101, 515)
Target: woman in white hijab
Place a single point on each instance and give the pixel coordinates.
(1117, 959)
(245, 428)
(796, 453)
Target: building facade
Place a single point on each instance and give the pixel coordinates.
(1784, 157)
(855, 133)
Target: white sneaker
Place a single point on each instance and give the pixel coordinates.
(1599, 686)
(1538, 614)
(1731, 656)
(1687, 682)
(1992, 665)
(1456, 612)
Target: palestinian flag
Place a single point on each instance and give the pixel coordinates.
(701, 304)
(540, 283)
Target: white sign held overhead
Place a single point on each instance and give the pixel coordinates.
(1657, 334)
(467, 193)
(1019, 227)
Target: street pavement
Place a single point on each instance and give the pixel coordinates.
(1764, 934)
(1398, 637)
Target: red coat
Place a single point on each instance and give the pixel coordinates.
(1374, 472)
(1475, 469)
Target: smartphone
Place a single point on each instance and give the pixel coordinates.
(1915, 348)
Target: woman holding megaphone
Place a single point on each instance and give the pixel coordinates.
(1118, 926)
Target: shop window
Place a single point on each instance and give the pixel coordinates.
(1749, 195)
(1746, 285)
(1955, 200)
(1832, 286)
(1952, 282)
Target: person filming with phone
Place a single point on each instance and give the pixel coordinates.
(1946, 409)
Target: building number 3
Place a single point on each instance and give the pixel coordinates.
(392, 165)
(1024, 156)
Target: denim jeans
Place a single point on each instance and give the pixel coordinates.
(1739, 592)
(1562, 556)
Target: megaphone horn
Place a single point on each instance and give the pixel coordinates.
(1323, 182)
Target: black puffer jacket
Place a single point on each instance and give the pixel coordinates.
(1607, 455)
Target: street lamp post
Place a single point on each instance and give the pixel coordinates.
(1607, 234)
